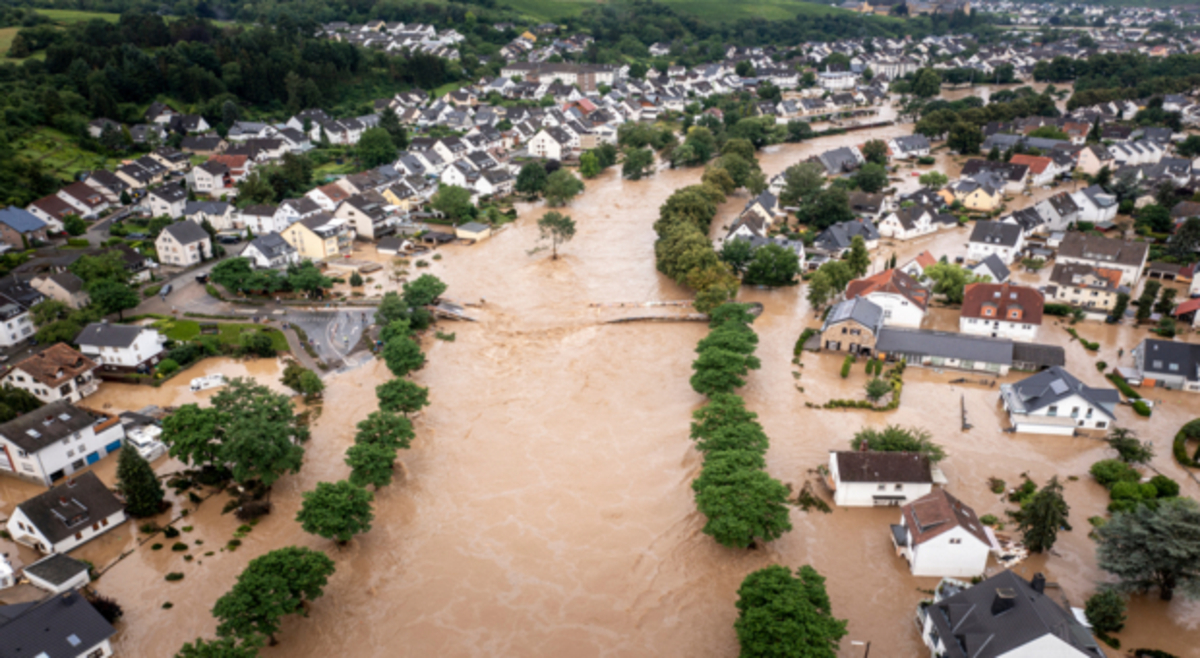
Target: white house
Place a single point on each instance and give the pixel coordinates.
(1008, 617)
(56, 440)
(167, 201)
(903, 300)
(57, 573)
(271, 251)
(913, 222)
(1095, 204)
(1001, 310)
(121, 347)
(909, 146)
(62, 626)
(940, 536)
(1055, 402)
(183, 244)
(552, 143)
(1003, 240)
(54, 373)
(71, 514)
(866, 479)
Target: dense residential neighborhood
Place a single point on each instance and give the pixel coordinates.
(945, 253)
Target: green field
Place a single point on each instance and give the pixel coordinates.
(59, 153)
(68, 16)
(7, 35)
(185, 330)
(716, 10)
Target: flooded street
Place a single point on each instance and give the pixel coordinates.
(545, 507)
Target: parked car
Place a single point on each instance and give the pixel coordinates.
(228, 239)
(202, 278)
(166, 290)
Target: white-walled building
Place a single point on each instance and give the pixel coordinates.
(870, 479)
(1055, 402)
(55, 373)
(62, 626)
(121, 347)
(903, 300)
(940, 536)
(54, 441)
(63, 518)
(1001, 310)
(988, 237)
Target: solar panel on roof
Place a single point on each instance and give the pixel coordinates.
(1058, 386)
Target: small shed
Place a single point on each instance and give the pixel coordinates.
(57, 573)
(473, 231)
(389, 246)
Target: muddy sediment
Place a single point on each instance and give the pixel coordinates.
(545, 507)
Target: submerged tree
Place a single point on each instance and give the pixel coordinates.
(894, 438)
(336, 511)
(138, 484)
(742, 503)
(557, 228)
(1040, 520)
(273, 585)
(786, 616)
(1154, 548)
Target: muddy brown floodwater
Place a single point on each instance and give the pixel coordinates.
(545, 506)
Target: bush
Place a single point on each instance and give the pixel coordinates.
(78, 242)
(1164, 486)
(1189, 431)
(1141, 408)
(996, 485)
(108, 608)
(1057, 310)
(926, 160)
(170, 532)
(253, 510)
(1123, 386)
(804, 336)
(167, 367)
(988, 519)
(173, 576)
(1109, 472)
(151, 291)
(179, 547)
(1101, 366)
(156, 547)
(846, 365)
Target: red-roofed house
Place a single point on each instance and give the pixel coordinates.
(902, 299)
(941, 536)
(328, 196)
(1001, 310)
(52, 210)
(916, 267)
(1187, 311)
(1042, 170)
(239, 165)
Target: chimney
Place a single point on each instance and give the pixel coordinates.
(1005, 599)
(62, 500)
(1038, 583)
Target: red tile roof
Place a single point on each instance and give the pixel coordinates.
(998, 301)
(938, 512)
(890, 281)
(1036, 163)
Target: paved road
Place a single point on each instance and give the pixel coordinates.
(332, 333)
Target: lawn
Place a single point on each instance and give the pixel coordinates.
(716, 10)
(59, 153)
(68, 16)
(185, 330)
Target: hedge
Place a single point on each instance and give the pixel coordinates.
(846, 364)
(804, 336)
(1123, 386)
(1190, 430)
(1060, 310)
(1087, 344)
(1141, 408)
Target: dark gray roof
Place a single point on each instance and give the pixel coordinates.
(1168, 357)
(272, 245)
(995, 266)
(56, 568)
(1055, 384)
(839, 235)
(860, 309)
(989, 232)
(186, 232)
(45, 426)
(76, 503)
(1037, 354)
(102, 334)
(946, 345)
(1002, 614)
(206, 207)
(871, 466)
(62, 626)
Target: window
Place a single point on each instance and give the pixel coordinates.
(882, 487)
(956, 540)
(1052, 411)
(1100, 424)
(1074, 412)
(898, 487)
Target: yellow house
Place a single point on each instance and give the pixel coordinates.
(401, 196)
(529, 35)
(320, 237)
(973, 195)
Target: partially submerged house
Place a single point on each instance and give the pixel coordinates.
(75, 512)
(863, 478)
(1055, 402)
(852, 326)
(939, 535)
